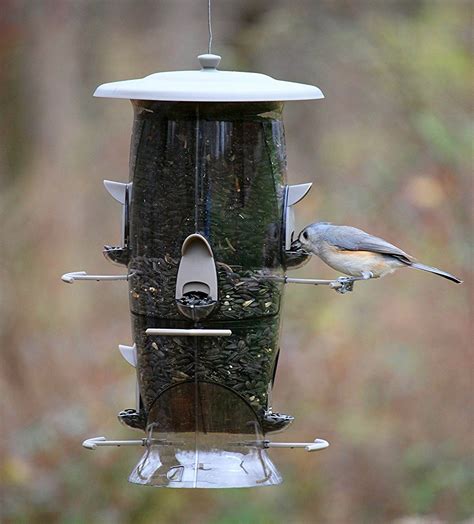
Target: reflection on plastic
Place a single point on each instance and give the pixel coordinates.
(222, 452)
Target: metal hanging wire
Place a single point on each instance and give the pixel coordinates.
(209, 27)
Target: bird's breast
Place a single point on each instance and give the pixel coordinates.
(355, 263)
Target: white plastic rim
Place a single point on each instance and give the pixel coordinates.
(209, 85)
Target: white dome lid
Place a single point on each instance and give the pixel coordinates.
(208, 85)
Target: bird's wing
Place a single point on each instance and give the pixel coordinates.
(353, 239)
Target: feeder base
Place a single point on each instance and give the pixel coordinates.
(180, 465)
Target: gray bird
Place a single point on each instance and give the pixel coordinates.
(356, 253)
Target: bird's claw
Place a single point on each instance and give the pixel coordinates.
(346, 284)
(343, 285)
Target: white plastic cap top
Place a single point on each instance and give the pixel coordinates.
(209, 85)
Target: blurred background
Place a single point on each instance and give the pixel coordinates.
(385, 373)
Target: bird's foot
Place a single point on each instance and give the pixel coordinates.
(343, 285)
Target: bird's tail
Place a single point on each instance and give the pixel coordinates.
(436, 271)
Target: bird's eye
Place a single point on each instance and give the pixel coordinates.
(305, 235)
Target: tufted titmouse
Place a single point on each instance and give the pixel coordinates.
(356, 253)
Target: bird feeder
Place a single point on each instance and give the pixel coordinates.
(207, 232)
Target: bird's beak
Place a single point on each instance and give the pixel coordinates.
(296, 245)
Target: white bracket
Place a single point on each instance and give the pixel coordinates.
(122, 193)
(118, 190)
(129, 353)
(70, 278)
(169, 332)
(294, 194)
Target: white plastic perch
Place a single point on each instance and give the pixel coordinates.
(95, 442)
(70, 278)
(170, 332)
(341, 285)
(316, 445)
